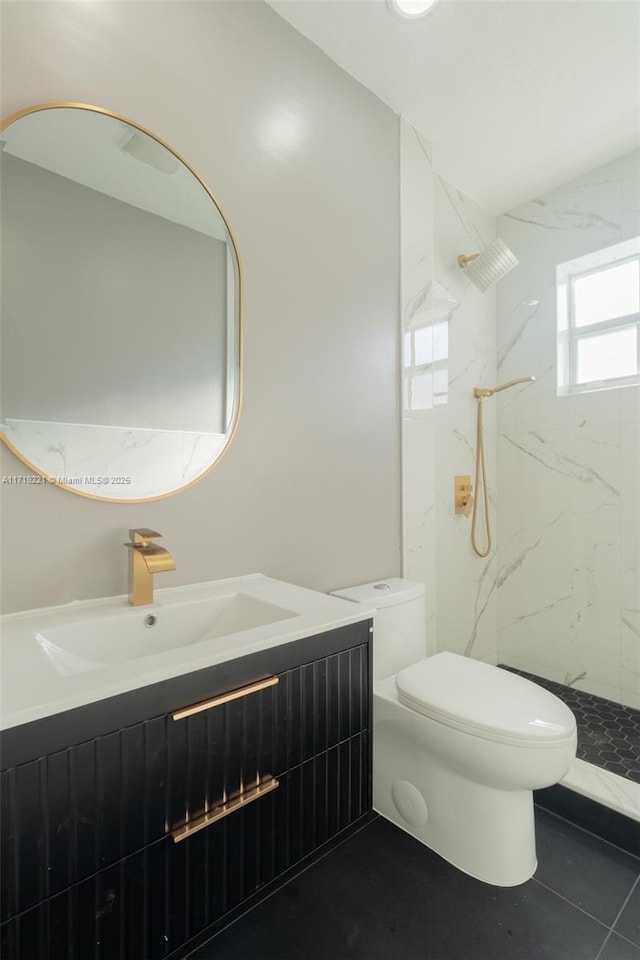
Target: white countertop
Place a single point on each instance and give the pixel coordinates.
(31, 688)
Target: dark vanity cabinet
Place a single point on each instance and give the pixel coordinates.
(131, 825)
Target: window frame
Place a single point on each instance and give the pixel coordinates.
(570, 334)
(413, 371)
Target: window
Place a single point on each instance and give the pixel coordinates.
(599, 319)
(426, 353)
(426, 348)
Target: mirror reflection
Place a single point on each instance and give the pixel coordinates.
(120, 307)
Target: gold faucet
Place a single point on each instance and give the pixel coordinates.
(145, 559)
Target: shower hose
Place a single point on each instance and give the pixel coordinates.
(481, 476)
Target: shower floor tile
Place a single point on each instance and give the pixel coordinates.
(608, 733)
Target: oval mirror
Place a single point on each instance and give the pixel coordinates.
(120, 306)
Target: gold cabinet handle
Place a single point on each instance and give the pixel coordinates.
(225, 697)
(223, 809)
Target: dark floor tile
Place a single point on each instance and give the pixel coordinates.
(384, 896)
(603, 822)
(589, 872)
(629, 923)
(616, 948)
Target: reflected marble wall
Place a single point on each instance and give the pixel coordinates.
(569, 467)
(120, 463)
(449, 347)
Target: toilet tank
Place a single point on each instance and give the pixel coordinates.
(399, 631)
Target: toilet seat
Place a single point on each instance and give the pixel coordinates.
(479, 699)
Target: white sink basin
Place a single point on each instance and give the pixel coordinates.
(146, 631)
(59, 658)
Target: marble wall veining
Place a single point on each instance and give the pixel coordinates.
(569, 466)
(418, 427)
(310, 489)
(449, 347)
(466, 583)
(560, 593)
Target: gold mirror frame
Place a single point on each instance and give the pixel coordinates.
(238, 391)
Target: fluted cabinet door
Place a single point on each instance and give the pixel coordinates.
(89, 867)
(71, 814)
(152, 902)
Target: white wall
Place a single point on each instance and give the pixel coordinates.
(569, 522)
(101, 348)
(304, 163)
(438, 224)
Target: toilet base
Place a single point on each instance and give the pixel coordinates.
(485, 832)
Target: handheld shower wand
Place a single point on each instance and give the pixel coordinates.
(481, 472)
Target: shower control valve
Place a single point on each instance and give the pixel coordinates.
(463, 498)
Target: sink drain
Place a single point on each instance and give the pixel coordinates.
(150, 620)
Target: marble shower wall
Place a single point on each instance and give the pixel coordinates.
(418, 429)
(466, 584)
(449, 347)
(569, 466)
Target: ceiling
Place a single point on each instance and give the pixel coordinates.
(517, 96)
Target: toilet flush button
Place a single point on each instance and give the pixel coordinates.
(409, 803)
(382, 586)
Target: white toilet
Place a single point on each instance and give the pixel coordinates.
(458, 745)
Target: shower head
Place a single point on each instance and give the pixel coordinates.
(480, 394)
(492, 264)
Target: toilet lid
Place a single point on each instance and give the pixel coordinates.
(481, 699)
